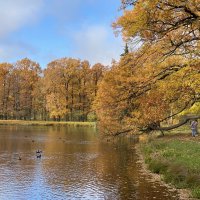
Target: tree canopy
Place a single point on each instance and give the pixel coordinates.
(161, 78)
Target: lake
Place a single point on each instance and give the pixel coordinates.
(75, 164)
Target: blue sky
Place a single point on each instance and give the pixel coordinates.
(44, 30)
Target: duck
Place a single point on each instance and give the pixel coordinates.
(38, 153)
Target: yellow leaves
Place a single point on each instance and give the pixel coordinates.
(132, 22)
(70, 87)
(174, 21)
(194, 7)
(56, 105)
(162, 74)
(143, 88)
(135, 22)
(153, 106)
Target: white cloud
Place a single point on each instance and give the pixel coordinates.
(16, 13)
(97, 44)
(10, 50)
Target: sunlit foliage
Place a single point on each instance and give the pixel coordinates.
(161, 78)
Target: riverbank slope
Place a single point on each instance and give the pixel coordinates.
(176, 159)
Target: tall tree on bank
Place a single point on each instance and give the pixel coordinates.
(25, 75)
(71, 86)
(18, 83)
(5, 90)
(140, 91)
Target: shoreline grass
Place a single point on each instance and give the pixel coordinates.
(47, 123)
(178, 161)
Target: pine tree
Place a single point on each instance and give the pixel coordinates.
(126, 50)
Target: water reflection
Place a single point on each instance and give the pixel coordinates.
(74, 165)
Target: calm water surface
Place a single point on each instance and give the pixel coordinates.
(74, 165)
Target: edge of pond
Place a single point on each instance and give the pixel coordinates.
(184, 194)
(46, 123)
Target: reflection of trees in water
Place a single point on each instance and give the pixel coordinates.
(112, 167)
(74, 162)
(68, 150)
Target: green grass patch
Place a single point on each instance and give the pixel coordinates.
(196, 192)
(46, 123)
(178, 162)
(183, 130)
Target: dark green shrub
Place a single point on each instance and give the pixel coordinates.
(193, 180)
(158, 166)
(176, 174)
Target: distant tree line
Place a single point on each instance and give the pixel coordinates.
(65, 90)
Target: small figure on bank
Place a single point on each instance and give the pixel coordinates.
(193, 125)
(38, 153)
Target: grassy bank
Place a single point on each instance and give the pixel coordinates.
(177, 160)
(46, 123)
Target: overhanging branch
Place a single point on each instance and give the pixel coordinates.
(176, 125)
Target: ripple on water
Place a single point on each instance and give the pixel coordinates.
(71, 168)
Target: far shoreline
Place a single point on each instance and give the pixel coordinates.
(47, 123)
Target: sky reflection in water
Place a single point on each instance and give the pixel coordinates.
(74, 165)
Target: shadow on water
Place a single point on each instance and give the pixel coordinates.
(74, 165)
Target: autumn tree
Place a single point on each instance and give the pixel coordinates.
(24, 78)
(17, 89)
(39, 110)
(55, 90)
(84, 105)
(5, 90)
(126, 50)
(174, 22)
(140, 91)
(71, 86)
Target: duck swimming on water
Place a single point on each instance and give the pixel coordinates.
(38, 153)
